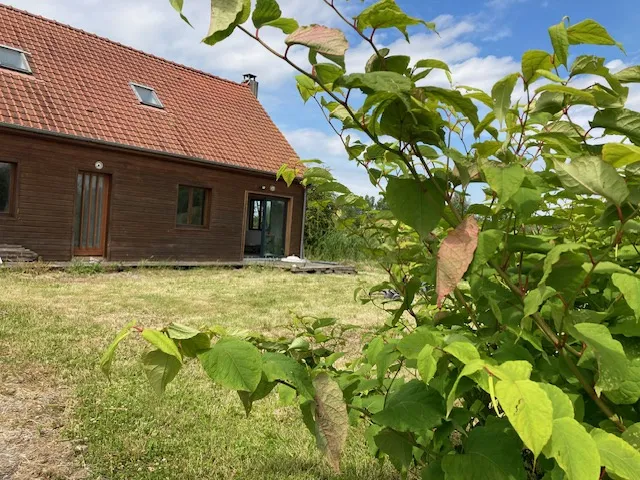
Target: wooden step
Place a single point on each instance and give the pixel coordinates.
(16, 254)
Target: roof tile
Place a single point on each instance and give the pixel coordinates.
(80, 86)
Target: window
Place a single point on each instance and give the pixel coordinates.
(14, 59)
(193, 203)
(147, 95)
(7, 187)
(255, 212)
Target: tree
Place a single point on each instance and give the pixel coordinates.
(514, 348)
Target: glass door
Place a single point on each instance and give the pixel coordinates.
(92, 207)
(274, 227)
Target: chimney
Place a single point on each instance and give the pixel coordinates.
(250, 79)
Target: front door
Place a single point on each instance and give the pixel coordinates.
(275, 227)
(91, 210)
(266, 235)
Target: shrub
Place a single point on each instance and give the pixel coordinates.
(511, 349)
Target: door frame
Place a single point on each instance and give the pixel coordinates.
(106, 197)
(267, 195)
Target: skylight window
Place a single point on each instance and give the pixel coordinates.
(14, 59)
(147, 95)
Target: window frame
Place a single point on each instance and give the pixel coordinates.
(24, 54)
(13, 189)
(133, 86)
(207, 207)
(252, 202)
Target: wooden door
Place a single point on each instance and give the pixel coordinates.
(91, 212)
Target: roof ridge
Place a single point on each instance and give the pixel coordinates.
(108, 40)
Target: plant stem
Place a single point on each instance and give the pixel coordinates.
(592, 393)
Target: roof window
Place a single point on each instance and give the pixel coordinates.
(14, 59)
(147, 95)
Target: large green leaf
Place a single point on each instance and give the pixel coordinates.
(162, 342)
(488, 243)
(427, 363)
(390, 82)
(107, 357)
(263, 389)
(454, 99)
(414, 407)
(577, 96)
(629, 286)
(226, 15)
(416, 203)
(562, 405)
(560, 42)
(177, 6)
(387, 14)
(619, 120)
(397, 445)
(536, 297)
(234, 364)
(529, 410)
(504, 180)
(332, 421)
(328, 42)
(620, 154)
(455, 256)
(592, 176)
(470, 369)
(501, 95)
(466, 352)
(629, 75)
(532, 61)
(574, 450)
(411, 345)
(612, 361)
(589, 32)
(277, 366)
(268, 13)
(492, 452)
(177, 331)
(628, 393)
(616, 455)
(160, 369)
(632, 436)
(554, 256)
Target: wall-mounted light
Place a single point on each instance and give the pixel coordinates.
(272, 188)
(99, 165)
(264, 187)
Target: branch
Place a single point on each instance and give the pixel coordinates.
(594, 396)
(369, 40)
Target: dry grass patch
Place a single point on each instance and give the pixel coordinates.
(61, 322)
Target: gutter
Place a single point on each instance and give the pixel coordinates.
(123, 146)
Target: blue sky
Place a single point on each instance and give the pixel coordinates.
(482, 41)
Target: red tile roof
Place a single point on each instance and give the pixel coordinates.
(80, 87)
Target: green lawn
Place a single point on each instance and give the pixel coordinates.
(54, 326)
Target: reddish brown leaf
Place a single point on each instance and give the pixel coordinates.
(455, 255)
(325, 40)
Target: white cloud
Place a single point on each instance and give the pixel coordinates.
(500, 4)
(314, 143)
(154, 27)
(499, 34)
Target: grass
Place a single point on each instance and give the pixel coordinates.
(55, 325)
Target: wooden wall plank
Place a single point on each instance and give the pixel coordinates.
(143, 197)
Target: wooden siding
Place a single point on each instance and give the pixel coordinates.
(144, 189)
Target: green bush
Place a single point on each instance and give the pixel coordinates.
(512, 345)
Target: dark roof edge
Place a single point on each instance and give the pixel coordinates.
(113, 42)
(106, 143)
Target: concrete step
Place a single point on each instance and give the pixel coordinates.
(16, 254)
